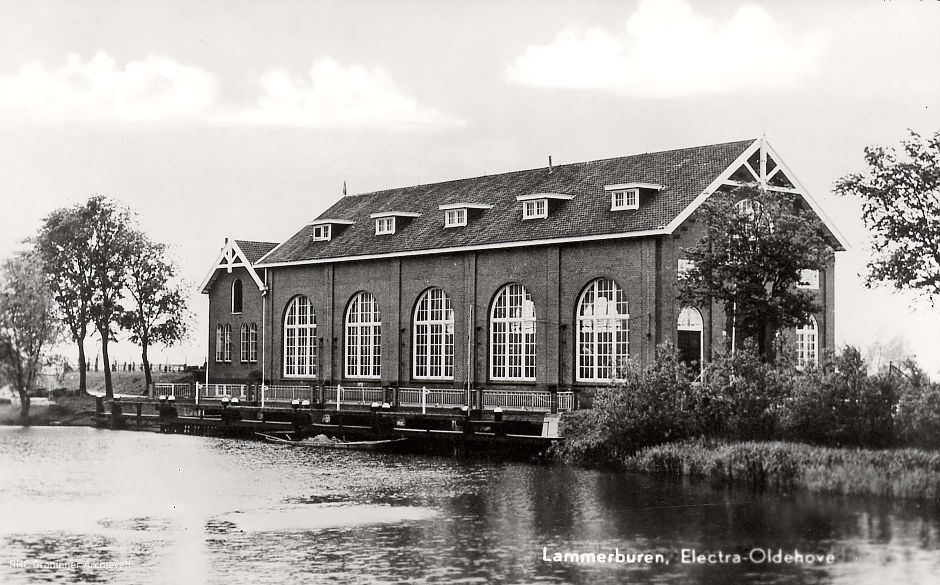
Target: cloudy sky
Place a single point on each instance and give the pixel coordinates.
(238, 118)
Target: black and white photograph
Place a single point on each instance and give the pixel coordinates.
(523, 292)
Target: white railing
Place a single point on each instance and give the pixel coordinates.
(515, 400)
(176, 390)
(210, 391)
(288, 393)
(565, 401)
(354, 394)
(435, 399)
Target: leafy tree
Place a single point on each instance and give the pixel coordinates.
(750, 259)
(111, 235)
(28, 327)
(900, 193)
(159, 314)
(64, 244)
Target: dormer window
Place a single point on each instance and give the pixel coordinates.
(624, 199)
(536, 205)
(535, 209)
(455, 218)
(626, 196)
(321, 232)
(385, 226)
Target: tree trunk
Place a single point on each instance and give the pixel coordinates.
(766, 343)
(82, 368)
(108, 388)
(148, 377)
(24, 407)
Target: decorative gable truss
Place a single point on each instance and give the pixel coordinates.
(230, 257)
(761, 165)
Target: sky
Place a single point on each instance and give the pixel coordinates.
(217, 119)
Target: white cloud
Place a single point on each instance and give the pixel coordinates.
(155, 89)
(334, 96)
(667, 50)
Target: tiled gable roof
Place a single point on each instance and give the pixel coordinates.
(255, 250)
(684, 174)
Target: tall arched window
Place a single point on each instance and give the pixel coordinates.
(219, 343)
(512, 335)
(434, 336)
(243, 346)
(363, 337)
(807, 343)
(689, 328)
(253, 342)
(227, 343)
(300, 339)
(237, 295)
(603, 330)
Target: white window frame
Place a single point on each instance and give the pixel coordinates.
(683, 266)
(253, 343)
(300, 339)
(385, 225)
(227, 343)
(807, 343)
(322, 233)
(243, 343)
(363, 337)
(809, 279)
(624, 199)
(535, 209)
(455, 217)
(433, 332)
(696, 324)
(591, 363)
(220, 343)
(513, 348)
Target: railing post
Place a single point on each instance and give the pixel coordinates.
(339, 395)
(424, 400)
(194, 386)
(553, 399)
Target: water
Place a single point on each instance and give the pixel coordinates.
(124, 507)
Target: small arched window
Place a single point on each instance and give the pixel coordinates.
(227, 343)
(690, 327)
(363, 337)
(603, 330)
(220, 343)
(300, 339)
(512, 335)
(807, 343)
(237, 295)
(434, 336)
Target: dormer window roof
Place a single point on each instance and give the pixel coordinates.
(323, 229)
(458, 214)
(386, 221)
(626, 196)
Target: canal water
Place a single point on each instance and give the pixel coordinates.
(86, 505)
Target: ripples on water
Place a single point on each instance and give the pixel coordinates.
(179, 509)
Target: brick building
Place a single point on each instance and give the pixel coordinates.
(516, 282)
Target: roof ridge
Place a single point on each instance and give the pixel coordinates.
(558, 166)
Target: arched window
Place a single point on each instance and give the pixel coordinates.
(300, 339)
(243, 346)
(227, 343)
(363, 337)
(603, 330)
(807, 343)
(512, 335)
(434, 336)
(253, 342)
(690, 326)
(237, 295)
(219, 343)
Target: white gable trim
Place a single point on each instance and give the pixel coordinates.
(724, 178)
(231, 252)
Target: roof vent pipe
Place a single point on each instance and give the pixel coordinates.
(550, 163)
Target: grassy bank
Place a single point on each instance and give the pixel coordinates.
(903, 473)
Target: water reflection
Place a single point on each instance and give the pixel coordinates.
(165, 508)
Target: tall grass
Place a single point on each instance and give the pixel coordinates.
(903, 473)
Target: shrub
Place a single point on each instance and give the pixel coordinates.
(918, 410)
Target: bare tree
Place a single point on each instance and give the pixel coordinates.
(28, 327)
